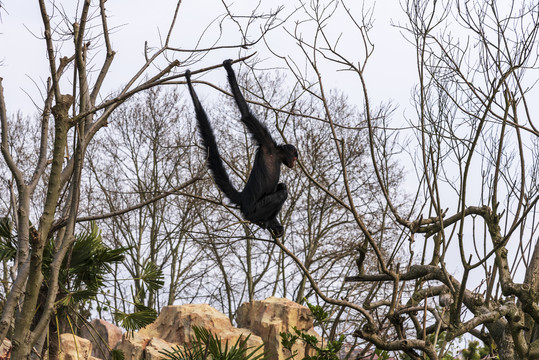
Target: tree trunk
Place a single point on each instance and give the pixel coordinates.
(23, 337)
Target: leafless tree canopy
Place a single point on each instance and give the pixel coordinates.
(413, 223)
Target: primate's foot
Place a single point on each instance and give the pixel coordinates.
(277, 232)
(275, 228)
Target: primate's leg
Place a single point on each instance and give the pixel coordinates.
(272, 223)
(264, 212)
(282, 191)
(268, 206)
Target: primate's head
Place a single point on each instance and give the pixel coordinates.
(290, 155)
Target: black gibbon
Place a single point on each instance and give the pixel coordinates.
(263, 196)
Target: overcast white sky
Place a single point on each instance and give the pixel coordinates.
(23, 58)
(391, 73)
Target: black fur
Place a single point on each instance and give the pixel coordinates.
(263, 196)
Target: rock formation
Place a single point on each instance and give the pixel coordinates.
(103, 336)
(268, 318)
(138, 346)
(73, 347)
(174, 326)
(262, 321)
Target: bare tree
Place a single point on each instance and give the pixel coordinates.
(473, 143)
(147, 150)
(469, 215)
(246, 264)
(75, 109)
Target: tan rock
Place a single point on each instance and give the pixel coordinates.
(73, 347)
(155, 346)
(175, 323)
(133, 345)
(103, 336)
(174, 326)
(268, 318)
(137, 346)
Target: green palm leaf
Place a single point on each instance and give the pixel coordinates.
(77, 296)
(117, 355)
(90, 260)
(152, 276)
(206, 345)
(138, 319)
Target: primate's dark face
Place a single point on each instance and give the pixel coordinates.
(290, 155)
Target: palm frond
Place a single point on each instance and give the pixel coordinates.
(138, 319)
(195, 352)
(90, 260)
(206, 345)
(152, 276)
(117, 354)
(76, 297)
(6, 228)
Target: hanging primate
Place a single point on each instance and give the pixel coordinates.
(263, 196)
